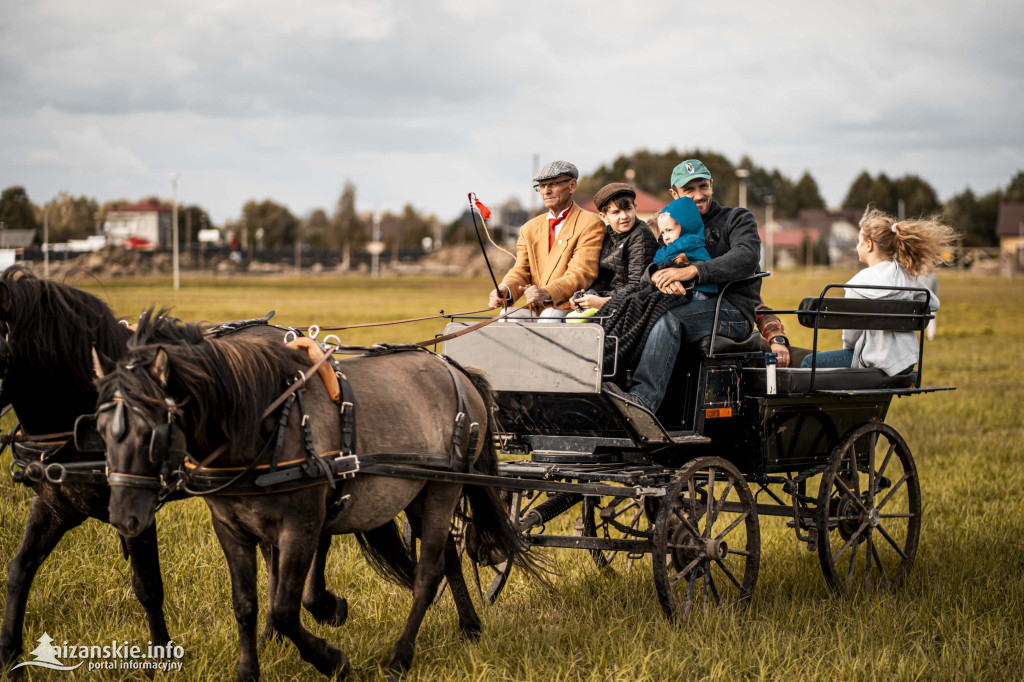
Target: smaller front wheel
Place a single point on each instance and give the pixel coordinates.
(707, 541)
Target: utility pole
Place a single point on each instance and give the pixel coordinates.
(46, 242)
(743, 174)
(769, 233)
(375, 253)
(174, 232)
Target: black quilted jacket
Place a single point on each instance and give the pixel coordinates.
(624, 258)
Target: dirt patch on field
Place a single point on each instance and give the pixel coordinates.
(461, 259)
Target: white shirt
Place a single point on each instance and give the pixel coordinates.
(890, 351)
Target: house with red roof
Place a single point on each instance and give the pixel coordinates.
(1010, 227)
(146, 225)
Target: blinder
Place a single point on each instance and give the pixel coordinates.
(118, 426)
(160, 443)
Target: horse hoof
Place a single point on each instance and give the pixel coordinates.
(471, 631)
(248, 675)
(339, 666)
(330, 610)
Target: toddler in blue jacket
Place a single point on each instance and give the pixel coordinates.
(682, 237)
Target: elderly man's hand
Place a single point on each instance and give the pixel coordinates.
(670, 280)
(536, 294)
(495, 300)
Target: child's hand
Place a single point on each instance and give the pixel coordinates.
(590, 301)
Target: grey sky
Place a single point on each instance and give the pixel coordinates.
(424, 101)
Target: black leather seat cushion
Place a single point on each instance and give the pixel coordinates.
(832, 379)
(723, 344)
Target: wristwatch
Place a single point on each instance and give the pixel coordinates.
(780, 339)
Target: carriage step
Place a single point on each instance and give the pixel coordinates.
(688, 437)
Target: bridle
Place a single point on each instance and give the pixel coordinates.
(160, 440)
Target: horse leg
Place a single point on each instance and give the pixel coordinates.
(241, 556)
(296, 555)
(322, 604)
(469, 621)
(148, 583)
(270, 555)
(43, 530)
(437, 504)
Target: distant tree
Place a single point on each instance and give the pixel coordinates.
(346, 231)
(108, 206)
(316, 229)
(974, 218)
(72, 217)
(191, 219)
(806, 193)
(16, 210)
(919, 198)
(859, 194)
(1015, 190)
(653, 171)
(277, 222)
(413, 228)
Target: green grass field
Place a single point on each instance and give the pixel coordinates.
(959, 616)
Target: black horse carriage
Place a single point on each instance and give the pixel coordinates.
(734, 440)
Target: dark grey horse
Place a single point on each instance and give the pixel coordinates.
(216, 391)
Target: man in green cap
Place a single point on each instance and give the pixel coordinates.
(735, 250)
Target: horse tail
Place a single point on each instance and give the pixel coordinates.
(388, 554)
(492, 533)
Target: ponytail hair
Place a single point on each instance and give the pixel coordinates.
(916, 244)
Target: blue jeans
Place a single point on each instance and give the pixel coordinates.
(830, 358)
(685, 323)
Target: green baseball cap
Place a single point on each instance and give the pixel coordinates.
(688, 170)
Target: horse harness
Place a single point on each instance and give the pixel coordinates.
(260, 476)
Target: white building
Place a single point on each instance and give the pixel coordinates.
(141, 225)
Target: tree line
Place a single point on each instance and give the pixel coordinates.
(272, 225)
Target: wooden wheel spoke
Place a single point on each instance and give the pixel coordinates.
(706, 590)
(722, 501)
(872, 476)
(899, 483)
(850, 542)
(709, 580)
(899, 550)
(739, 552)
(840, 483)
(897, 516)
(710, 504)
(689, 595)
(691, 489)
(728, 529)
(869, 546)
(878, 562)
(689, 568)
(851, 567)
(728, 574)
(888, 456)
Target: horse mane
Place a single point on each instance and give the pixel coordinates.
(53, 324)
(225, 382)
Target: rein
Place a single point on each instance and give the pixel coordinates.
(411, 319)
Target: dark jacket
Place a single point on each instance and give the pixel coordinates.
(735, 248)
(624, 256)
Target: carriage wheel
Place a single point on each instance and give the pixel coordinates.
(869, 511)
(621, 517)
(707, 541)
(489, 580)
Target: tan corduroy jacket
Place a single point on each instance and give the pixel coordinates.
(569, 266)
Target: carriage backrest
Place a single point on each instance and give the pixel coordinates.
(864, 313)
(532, 357)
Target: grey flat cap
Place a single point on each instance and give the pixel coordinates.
(553, 169)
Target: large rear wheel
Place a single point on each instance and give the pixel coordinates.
(869, 511)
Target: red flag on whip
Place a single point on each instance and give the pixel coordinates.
(485, 212)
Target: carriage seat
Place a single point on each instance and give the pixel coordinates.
(798, 380)
(723, 344)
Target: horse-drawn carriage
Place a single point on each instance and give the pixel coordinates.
(735, 439)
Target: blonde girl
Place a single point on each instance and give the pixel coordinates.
(898, 253)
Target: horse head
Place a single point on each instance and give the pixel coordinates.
(140, 424)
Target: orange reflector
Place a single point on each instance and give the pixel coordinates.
(718, 412)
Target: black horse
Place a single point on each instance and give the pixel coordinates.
(46, 373)
(216, 392)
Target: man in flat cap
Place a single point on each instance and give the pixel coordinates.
(557, 253)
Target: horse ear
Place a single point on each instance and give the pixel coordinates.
(97, 365)
(160, 367)
(5, 297)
